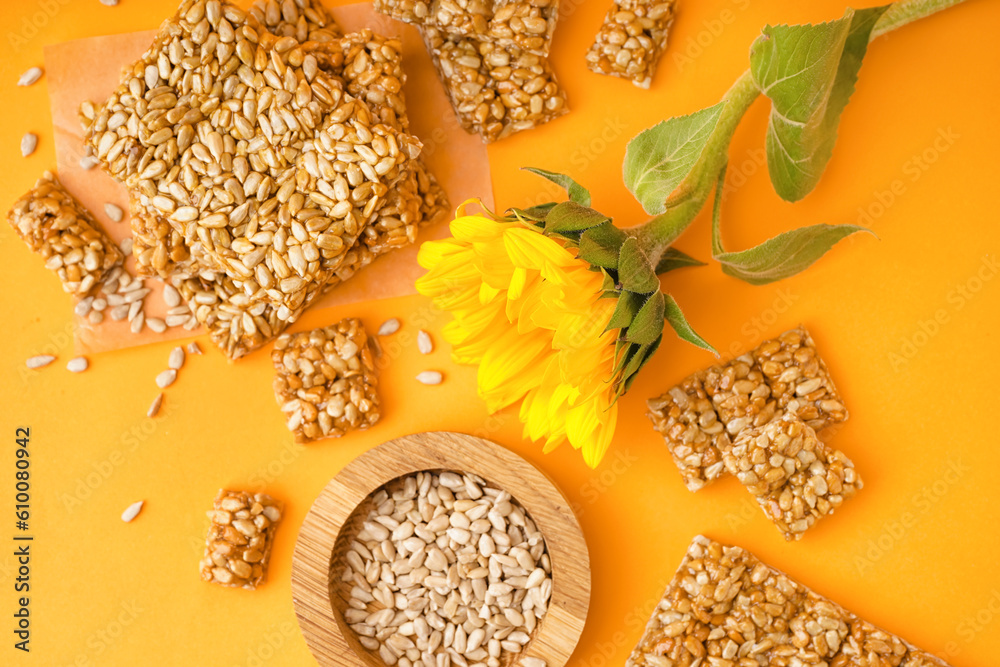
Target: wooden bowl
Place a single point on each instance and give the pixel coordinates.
(336, 516)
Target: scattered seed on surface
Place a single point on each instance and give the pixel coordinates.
(166, 378)
(87, 162)
(132, 511)
(424, 342)
(109, 3)
(39, 361)
(29, 142)
(78, 365)
(430, 377)
(95, 317)
(156, 324)
(137, 322)
(126, 246)
(194, 348)
(171, 296)
(154, 407)
(30, 77)
(119, 313)
(83, 307)
(389, 327)
(176, 360)
(114, 212)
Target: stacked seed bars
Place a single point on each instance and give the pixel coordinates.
(71, 242)
(725, 607)
(325, 381)
(256, 163)
(240, 539)
(492, 58)
(759, 399)
(632, 39)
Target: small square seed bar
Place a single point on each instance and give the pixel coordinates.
(71, 242)
(326, 381)
(684, 416)
(496, 91)
(632, 39)
(799, 379)
(725, 605)
(740, 394)
(795, 478)
(240, 539)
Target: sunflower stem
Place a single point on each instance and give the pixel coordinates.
(683, 206)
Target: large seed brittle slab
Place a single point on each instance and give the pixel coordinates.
(799, 379)
(325, 381)
(726, 607)
(686, 419)
(67, 237)
(525, 24)
(240, 539)
(632, 40)
(796, 478)
(496, 91)
(305, 20)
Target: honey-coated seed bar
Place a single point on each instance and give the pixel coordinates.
(724, 607)
(240, 539)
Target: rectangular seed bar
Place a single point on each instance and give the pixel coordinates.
(240, 539)
(740, 394)
(632, 39)
(725, 605)
(496, 91)
(684, 416)
(71, 242)
(799, 379)
(526, 24)
(325, 381)
(795, 478)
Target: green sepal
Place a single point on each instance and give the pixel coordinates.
(647, 324)
(635, 272)
(568, 217)
(628, 305)
(673, 259)
(600, 245)
(577, 193)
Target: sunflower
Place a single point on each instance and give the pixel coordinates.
(529, 312)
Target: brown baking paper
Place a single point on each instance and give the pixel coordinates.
(89, 69)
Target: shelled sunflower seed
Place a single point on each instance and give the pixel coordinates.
(114, 212)
(446, 567)
(424, 342)
(132, 511)
(166, 378)
(77, 365)
(154, 407)
(39, 361)
(30, 77)
(28, 144)
(389, 327)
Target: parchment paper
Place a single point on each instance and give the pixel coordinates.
(89, 69)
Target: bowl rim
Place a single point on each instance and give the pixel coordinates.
(321, 624)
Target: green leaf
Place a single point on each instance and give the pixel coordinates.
(647, 325)
(635, 272)
(659, 159)
(808, 72)
(643, 355)
(673, 259)
(600, 245)
(577, 193)
(786, 254)
(566, 217)
(680, 324)
(628, 305)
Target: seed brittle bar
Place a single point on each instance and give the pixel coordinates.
(799, 379)
(795, 478)
(526, 24)
(740, 394)
(240, 539)
(496, 91)
(57, 227)
(325, 381)
(632, 40)
(725, 607)
(686, 419)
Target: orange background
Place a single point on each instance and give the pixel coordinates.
(907, 324)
